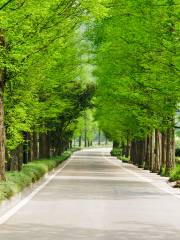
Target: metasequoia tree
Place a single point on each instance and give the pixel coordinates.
(40, 63)
(137, 75)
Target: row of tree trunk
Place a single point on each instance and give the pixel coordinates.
(35, 146)
(155, 153)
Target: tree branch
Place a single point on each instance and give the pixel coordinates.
(5, 4)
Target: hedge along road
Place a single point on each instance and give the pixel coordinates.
(94, 196)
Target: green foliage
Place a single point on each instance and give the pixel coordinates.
(45, 58)
(86, 125)
(164, 173)
(136, 67)
(175, 174)
(178, 160)
(30, 173)
(125, 159)
(116, 152)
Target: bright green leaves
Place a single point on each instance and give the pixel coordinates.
(136, 71)
(95, 9)
(46, 61)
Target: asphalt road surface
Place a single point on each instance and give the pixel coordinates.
(95, 197)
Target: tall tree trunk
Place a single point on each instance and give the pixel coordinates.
(31, 147)
(25, 148)
(2, 140)
(99, 137)
(20, 156)
(71, 144)
(15, 159)
(149, 153)
(2, 129)
(123, 146)
(61, 146)
(44, 146)
(157, 152)
(152, 155)
(170, 153)
(128, 147)
(85, 137)
(164, 149)
(35, 146)
(132, 152)
(134, 157)
(80, 140)
(141, 152)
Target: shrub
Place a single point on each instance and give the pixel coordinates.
(116, 152)
(175, 174)
(125, 159)
(178, 160)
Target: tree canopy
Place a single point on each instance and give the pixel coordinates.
(54, 55)
(43, 83)
(137, 68)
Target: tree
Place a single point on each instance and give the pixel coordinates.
(137, 72)
(40, 65)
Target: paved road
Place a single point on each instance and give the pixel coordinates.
(95, 197)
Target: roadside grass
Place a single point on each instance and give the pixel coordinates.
(125, 159)
(163, 172)
(175, 174)
(30, 173)
(178, 160)
(116, 152)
